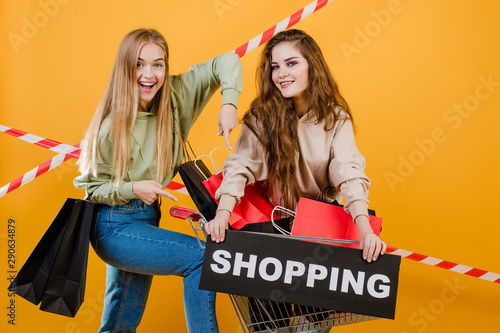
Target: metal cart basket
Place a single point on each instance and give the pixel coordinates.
(262, 315)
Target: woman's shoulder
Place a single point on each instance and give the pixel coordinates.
(341, 113)
(175, 81)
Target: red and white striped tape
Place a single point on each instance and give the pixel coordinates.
(55, 146)
(65, 152)
(36, 172)
(281, 26)
(451, 266)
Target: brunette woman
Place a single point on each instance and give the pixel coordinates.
(298, 136)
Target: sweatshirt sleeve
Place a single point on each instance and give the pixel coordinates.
(346, 171)
(100, 188)
(246, 166)
(198, 85)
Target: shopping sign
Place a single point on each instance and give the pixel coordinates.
(301, 272)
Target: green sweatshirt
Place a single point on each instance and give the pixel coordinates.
(191, 91)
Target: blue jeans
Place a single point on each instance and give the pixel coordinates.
(128, 239)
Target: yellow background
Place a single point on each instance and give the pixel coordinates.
(405, 68)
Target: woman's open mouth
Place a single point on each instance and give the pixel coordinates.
(147, 86)
(285, 84)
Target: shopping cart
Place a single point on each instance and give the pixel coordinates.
(262, 315)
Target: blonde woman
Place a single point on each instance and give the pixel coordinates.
(298, 135)
(131, 152)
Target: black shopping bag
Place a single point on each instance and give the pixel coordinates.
(65, 289)
(31, 280)
(55, 275)
(193, 173)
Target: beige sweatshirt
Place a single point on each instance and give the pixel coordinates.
(325, 159)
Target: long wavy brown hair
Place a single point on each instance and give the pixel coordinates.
(121, 102)
(274, 120)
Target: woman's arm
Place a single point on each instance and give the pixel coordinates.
(198, 85)
(346, 172)
(228, 119)
(100, 188)
(246, 166)
(370, 243)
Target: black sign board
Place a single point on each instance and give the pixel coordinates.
(301, 272)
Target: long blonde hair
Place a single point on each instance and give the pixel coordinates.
(121, 101)
(274, 120)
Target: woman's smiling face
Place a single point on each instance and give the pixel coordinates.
(290, 71)
(150, 73)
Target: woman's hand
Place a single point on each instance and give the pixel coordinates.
(149, 190)
(370, 243)
(217, 227)
(228, 119)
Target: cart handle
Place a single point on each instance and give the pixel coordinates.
(184, 213)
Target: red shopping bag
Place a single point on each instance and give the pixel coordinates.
(254, 207)
(315, 218)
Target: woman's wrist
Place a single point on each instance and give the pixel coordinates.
(363, 224)
(224, 211)
(361, 218)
